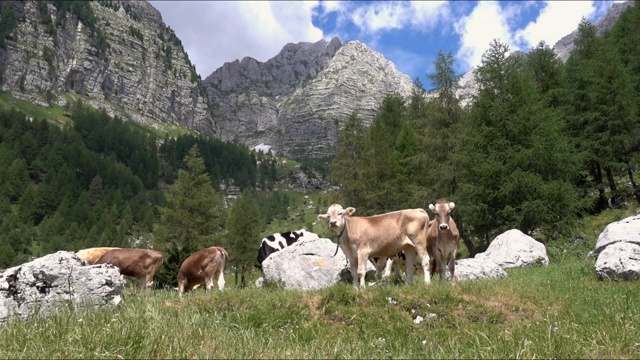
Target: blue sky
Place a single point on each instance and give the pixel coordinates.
(409, 33)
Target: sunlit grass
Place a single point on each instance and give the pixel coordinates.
(561, 311)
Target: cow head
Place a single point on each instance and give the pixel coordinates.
(442, 211)
(335, 215)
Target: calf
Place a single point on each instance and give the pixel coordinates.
(91, 255)
(276, 242)
(138, 263)
(201, 267)
(380, 235)
(443, 240)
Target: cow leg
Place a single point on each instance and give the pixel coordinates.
(180, 287)
(410, 262)
(423, 255)
(397, 269)
(362, 266)
(389, 264)
(221, 280)
(148, 282)
(208, 282)
(452, 268)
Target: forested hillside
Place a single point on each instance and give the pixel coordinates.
(98, 182)
(542, 144)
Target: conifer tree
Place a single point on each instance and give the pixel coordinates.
(244, 225)
(348, 165)
(192, 219)
(517, 165)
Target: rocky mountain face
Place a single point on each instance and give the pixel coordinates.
(112, 54)
(296, 101)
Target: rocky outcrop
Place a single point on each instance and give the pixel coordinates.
(296, 101)
(618, 250)
(120, 56)
(513, 249)
(478, 269)
(55, 281)
(309, 265)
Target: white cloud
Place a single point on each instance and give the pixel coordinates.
(486, 22)
(378, 16)
(223, 31)
(557, 19)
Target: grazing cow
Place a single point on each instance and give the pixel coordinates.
(443, 240)
(276, 242)
(380, 235)
(201, 267)
(134, 262)
(91, 255)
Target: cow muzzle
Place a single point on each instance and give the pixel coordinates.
(333, 223)
(444, 227)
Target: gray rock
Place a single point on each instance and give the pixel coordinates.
(44, 285)
(144, 79)
(309, 265)
(618, 250)
(476, 269)
(296, 101)
(515, 249)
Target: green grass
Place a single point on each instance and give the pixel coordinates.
(56, 114)
(561, 311)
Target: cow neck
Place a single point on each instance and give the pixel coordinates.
(338, 238)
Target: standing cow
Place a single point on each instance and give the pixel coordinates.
(443, 240)
(91, 255)
(201, 267)
(138, 263)
(380, 235)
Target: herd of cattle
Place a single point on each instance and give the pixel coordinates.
(385, 240)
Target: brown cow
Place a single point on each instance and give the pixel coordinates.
(380, 235)
(201, 267)
(91, 255)
(134, 262)
(443, 239)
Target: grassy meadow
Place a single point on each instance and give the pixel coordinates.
(559, 311)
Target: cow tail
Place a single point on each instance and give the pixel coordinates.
(224, 253)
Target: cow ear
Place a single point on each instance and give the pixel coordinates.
(350, 211)
(323, 217)
(451, 206)
(432, 208)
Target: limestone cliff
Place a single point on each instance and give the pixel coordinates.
(296, 101)
(116, 55)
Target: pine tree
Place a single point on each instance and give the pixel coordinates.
(192, 219)
(244, 224)
(346, 169)
(517, 162)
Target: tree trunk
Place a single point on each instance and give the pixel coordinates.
(636, 190)
(615, 197)
(467, 242)
(236, 271)
(602, 203)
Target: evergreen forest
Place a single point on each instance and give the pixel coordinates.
(543, 143)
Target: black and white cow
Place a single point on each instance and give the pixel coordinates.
(276, 242)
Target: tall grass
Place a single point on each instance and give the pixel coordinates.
(561, 311)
